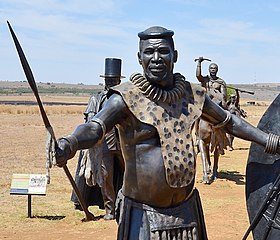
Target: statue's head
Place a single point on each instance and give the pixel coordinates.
(112, 76)
(232, 98)
(157, 55)
(213, 69)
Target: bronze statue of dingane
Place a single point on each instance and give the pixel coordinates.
(155, 113)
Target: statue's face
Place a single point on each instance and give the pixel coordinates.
(112, 81)
(213, 69)
(232, 99)
(157, 59)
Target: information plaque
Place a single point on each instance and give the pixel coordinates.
(29, 184)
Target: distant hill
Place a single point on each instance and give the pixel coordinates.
(262, 91)
(22, 87)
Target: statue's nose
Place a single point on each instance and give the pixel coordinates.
(156, 56)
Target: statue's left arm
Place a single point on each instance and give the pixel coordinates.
(238, 127)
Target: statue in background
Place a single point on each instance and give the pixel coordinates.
(108, 173)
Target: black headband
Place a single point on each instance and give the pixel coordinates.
(155, 32)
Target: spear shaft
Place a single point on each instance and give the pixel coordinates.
(241, 90)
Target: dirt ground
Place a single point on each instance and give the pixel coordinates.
(22, 150)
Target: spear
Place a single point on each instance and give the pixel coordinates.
(241, 90)
(32, 84)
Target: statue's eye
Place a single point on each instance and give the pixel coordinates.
(164, 51)
(149, 51)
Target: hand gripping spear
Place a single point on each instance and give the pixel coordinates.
(32, 83)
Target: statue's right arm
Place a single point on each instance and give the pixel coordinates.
(88, 134)
(199, 76)
(198, 70)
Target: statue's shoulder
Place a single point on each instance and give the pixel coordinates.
(207, 77)
(221, 81)
(124, 90)
(128, 87)
(194, 85)
(195, 88)
(123, 87)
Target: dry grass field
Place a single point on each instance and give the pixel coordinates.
(22, 150)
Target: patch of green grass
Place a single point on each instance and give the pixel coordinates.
(55, 90)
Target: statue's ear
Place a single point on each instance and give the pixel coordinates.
(139, 58)
(175, 57)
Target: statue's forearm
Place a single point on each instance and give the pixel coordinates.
(239, 127)
(198, 71)
(87, 135)
(244, 130)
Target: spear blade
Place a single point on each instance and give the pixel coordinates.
(30, 77)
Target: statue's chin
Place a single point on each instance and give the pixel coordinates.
(157, 79)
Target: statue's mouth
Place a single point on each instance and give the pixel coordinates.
(157, 69)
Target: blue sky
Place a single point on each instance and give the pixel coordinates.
(68, 40)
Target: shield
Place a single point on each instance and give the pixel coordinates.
(262, 194)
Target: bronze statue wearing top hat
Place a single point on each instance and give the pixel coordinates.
(110, 163)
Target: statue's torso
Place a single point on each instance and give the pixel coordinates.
(215, 89)
(157, 145)
(144, 178)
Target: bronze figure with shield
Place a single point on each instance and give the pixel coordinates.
(263, 181)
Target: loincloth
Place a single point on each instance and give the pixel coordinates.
(141, 221)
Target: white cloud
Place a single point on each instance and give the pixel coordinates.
(68, 40)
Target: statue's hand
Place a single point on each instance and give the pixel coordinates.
(200, 59)
(62, 152)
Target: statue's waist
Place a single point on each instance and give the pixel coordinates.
(155, 192)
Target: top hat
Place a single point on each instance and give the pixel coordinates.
(112, 68)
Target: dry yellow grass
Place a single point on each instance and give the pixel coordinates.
(22, 109)
(46, 98)
(23, 151)
(50, 109)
